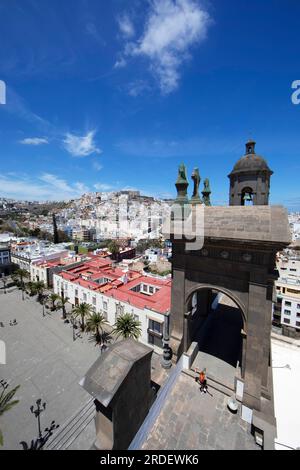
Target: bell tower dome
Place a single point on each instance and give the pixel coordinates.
(250, 179)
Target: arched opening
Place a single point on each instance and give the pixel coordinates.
(247, 197)
(216, 323)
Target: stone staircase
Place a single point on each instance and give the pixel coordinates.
(71, 430)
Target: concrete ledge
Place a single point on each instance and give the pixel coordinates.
(190, 355)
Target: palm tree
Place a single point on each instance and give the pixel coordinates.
(95, 323)
(20, 275)
(127, 326)
(39, 289)
(53, 298)
(83, 310)
(31, 288)
(62, 304)
(6, 402)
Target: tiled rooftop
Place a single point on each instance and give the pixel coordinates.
(120, 284)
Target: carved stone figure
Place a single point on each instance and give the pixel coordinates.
(206, 193)
(196, 179)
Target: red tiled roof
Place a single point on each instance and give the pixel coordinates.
(159, 302)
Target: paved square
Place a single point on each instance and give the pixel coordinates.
(42, 357)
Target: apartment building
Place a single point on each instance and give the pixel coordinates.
(287, 308)
(112, 292)
(5, 260)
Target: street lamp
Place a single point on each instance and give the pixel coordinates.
(40, 441)
(37, 412)
(166, 360)
(4, 283)
(74, 326)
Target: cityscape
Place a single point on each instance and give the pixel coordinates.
(149, 242)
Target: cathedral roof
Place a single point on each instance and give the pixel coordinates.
(251, 162)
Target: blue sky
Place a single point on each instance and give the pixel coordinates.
(111, 95)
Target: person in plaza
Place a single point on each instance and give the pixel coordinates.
(202, 381)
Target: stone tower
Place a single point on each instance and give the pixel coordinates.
(250, 180)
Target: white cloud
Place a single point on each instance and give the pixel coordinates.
(34, 141)
(137, 87)
(103, 187)
(46, 187)
(81, 146)
(126, 26)
(97, 166)
(171, 29)
(120, 63)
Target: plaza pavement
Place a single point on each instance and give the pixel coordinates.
(42, 357)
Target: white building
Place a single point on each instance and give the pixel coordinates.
(113, 292)
(288, 292)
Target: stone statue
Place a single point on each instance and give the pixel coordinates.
(181, 186)
(196, 178)
(182, 178)
(206, 193)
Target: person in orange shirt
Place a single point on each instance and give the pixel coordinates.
(202, 381)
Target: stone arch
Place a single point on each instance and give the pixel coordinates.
(196, 323)
(247, 190)
(223, 290)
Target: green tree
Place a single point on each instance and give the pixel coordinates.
(31, 288)
(20, 275)
(114, 249)
(62, 305)
(55, 231)
(127, 326)
(53, 298)
(95, 323)
(83, 310)
(39, 288)
(6, 401)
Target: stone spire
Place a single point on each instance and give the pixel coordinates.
(206, 193)
(182, 186)
(197, 179)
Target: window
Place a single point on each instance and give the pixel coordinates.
(298, 306)
(293, 291)
(287, 321)
(84, 297)
(137, 318)
(119, 310)
(151, 290)
(297, 323)
(154, 341)
(155, 326)
(94, 300)
(288, 304)
(287, 312)
(104, 305)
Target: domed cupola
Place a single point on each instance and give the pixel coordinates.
(250, 179)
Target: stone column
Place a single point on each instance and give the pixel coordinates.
(255, 352)
(177, 311)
